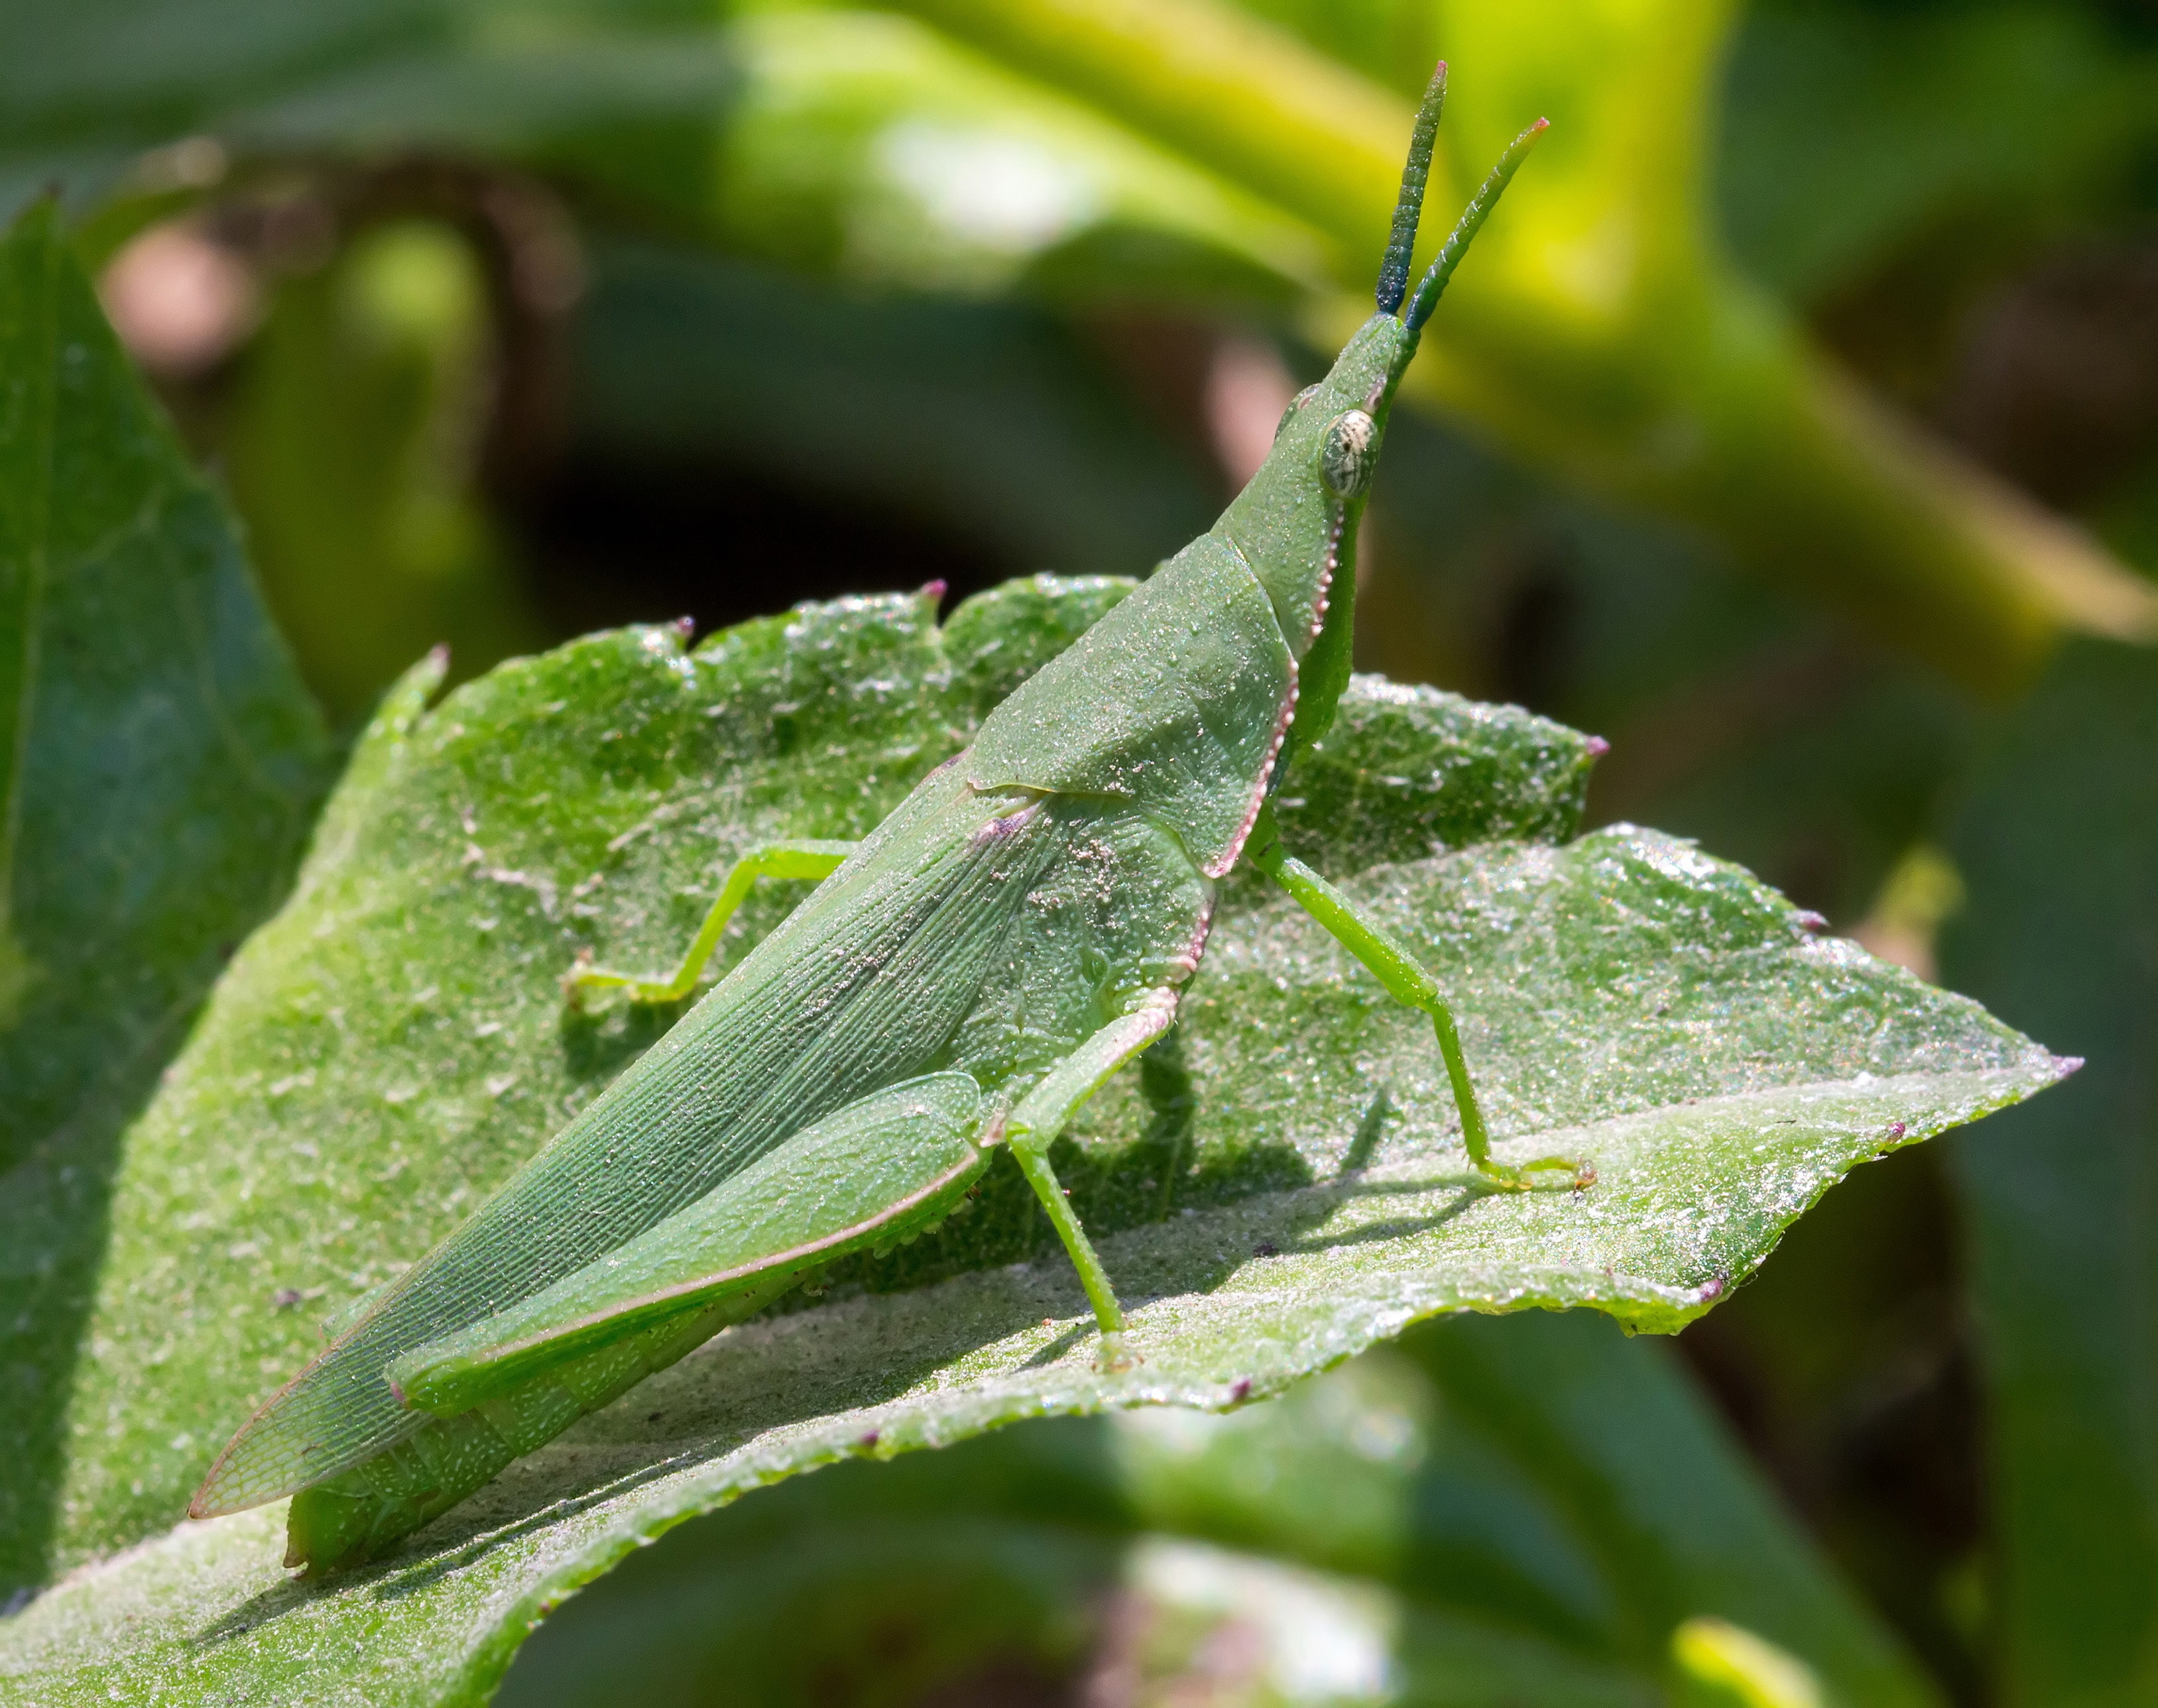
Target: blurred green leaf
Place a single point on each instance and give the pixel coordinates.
(351, 439)
(1736, 714)
(1635, 1471)
(159, 765)
(1597, 330)
(839, 139)
(125, 75)
(513, 80)
(1853, 132)
(1277, 1188)
(1551, 1477)
(1500, 1512)
(840, 1600)
(851, 144)
(871, 149)
(2055, 844)
(992, 417)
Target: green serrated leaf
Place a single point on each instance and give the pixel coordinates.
(159, 763)
(1277, 1189)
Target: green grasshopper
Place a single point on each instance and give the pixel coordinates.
(960, 982)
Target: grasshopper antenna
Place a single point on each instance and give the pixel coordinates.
(1472, 220)
(1416, 171)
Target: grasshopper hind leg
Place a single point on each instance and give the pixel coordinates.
(877, 1171)
(363, 1512)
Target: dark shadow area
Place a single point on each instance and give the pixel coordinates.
(1061, 1345)
(601, 1038)
(613, 541)
(1364, 1148)
(1114, 1188)
(275, 1602)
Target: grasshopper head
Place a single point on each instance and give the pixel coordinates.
(1327, 446)
(1334, 428)
(1355, 394)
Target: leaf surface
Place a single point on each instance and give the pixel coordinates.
(1276, 1188)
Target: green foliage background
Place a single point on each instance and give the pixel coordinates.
(1751, 437)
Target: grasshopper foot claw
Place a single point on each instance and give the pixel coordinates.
(584, 976)
(577, 978)
(1544, 1175)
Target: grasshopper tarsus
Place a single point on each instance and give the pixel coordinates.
(575, 981)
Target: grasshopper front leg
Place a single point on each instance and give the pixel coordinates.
(780, 859)
(1408, 983)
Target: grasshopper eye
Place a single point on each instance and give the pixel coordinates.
(1344, 459)
(1296, 403)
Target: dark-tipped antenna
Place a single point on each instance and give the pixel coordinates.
(1472, 218)
(1416, 171)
